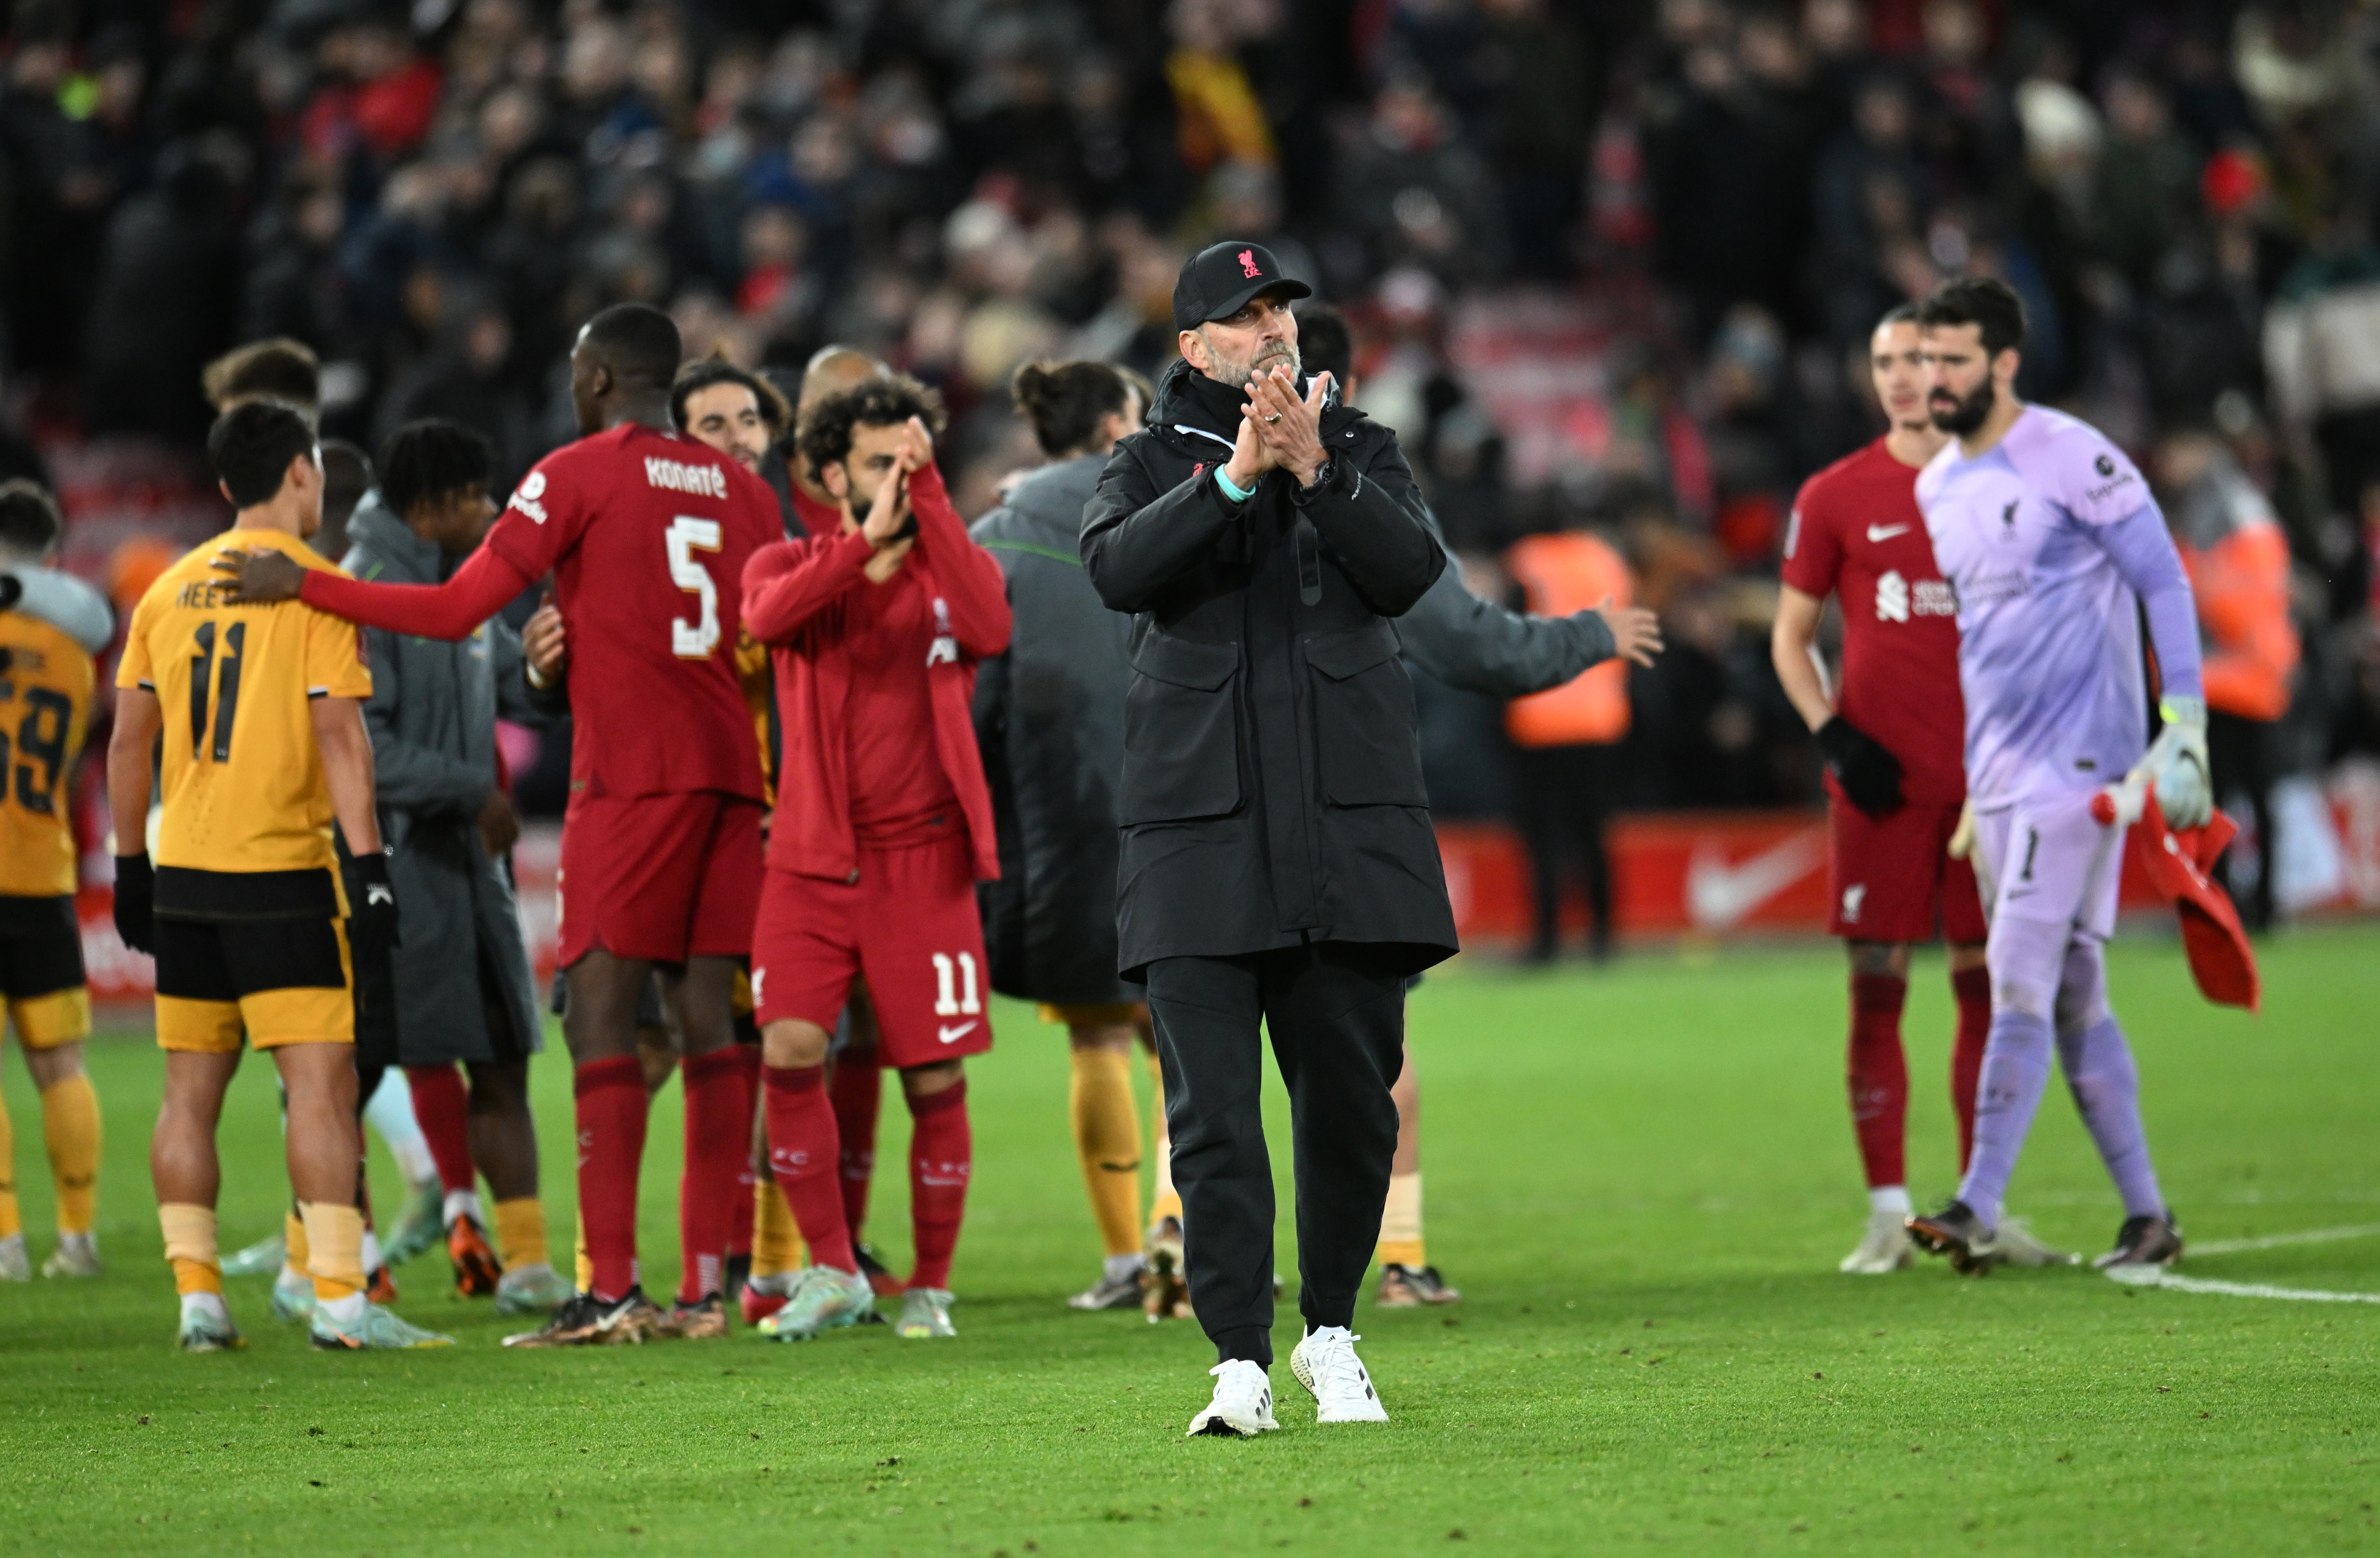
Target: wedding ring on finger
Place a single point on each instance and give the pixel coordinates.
(1271, 419)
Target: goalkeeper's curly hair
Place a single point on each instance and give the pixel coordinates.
(825, 436)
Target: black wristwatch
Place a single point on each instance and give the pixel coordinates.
(1324, 475)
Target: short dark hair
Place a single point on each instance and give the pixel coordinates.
(1067, 400)
(1986, 302)
(701, 375)
(30, 522)
(250, 447)
(1325, 344)
(637, 340)
(886, 400)
(279, 369)
(424, 461)
(1899, 313)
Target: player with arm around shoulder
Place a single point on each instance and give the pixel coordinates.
(260, 713)
(1891, 733)
(2055, 549)
(645, 534)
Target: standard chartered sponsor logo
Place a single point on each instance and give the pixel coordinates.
(1892, 597)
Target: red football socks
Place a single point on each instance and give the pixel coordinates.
(858, 1090)
(941, 1155)
(718, 1146)
(443, 1110)
(747, 1172)
(611, 1096)
(803, 1152)
(1879, 1076)
(1974, 989)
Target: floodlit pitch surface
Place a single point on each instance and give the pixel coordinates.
(1642, 1179)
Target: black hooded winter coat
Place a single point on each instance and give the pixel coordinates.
(1271, 793)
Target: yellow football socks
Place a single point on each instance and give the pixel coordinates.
(293, 1240)
(190, 1247)
(520, 1232)
(71, 1125)
(1107, 1138)
(1400, 1242)
(1168, 1201)
(776, 1241)
(582, 1268)
(9, 1223)
(334, 1248)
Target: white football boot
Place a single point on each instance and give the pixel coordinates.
(15, 1265)
(78, 1255)
(1885, 1248)
(1243, 1404)
(1325, 1363)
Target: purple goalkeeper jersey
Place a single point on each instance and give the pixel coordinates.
(2047, 539)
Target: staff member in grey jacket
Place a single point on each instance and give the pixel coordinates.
(465, 993)
(1476, 647)
(1049, 716)
(1277, 860)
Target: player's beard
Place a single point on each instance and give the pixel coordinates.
(1965, 413)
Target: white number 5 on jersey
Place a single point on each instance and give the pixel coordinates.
(694, 641)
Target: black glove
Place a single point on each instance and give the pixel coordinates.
(371, 938)
(135, 902)
(12, 589)
(1869, 774)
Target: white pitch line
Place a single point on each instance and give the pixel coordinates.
(2275, 1241)
(2157, 1276)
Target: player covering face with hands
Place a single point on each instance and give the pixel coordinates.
(884, 828)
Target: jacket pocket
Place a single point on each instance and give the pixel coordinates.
(1181, 731)
(1368, 742)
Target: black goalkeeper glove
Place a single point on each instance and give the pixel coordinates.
(135, 902)
(372, 940)
(1869, 774)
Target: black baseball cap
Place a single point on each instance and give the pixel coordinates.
(1220, 278)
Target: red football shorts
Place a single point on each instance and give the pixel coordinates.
(909, 924)
(666, 877)
(1888, 879)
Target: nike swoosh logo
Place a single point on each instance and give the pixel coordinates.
(952, 1035)
(1886, 532)
(1719, 896)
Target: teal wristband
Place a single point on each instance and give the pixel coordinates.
(1230, 489)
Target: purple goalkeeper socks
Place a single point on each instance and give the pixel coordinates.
(2016, 1070)
(2108, 1093)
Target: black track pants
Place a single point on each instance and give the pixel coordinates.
(1336, 1013)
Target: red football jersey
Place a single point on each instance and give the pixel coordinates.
(1856, 533)
(646, 535)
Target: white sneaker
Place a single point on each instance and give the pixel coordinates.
(2013, 1242)
(1243, 1404)
(78, 1255)
(1885, 1248)
(1325, 1363)
(15, 1265)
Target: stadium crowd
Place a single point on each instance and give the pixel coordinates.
(1712, 202)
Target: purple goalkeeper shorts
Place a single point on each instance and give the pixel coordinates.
(2045, 858)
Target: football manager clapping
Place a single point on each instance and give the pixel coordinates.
(1277, 860)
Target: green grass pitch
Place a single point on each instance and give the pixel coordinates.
(1642, 1178)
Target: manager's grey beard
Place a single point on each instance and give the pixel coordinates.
(1267, 359)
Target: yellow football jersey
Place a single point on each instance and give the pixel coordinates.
(45, 687)
(244, 790)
